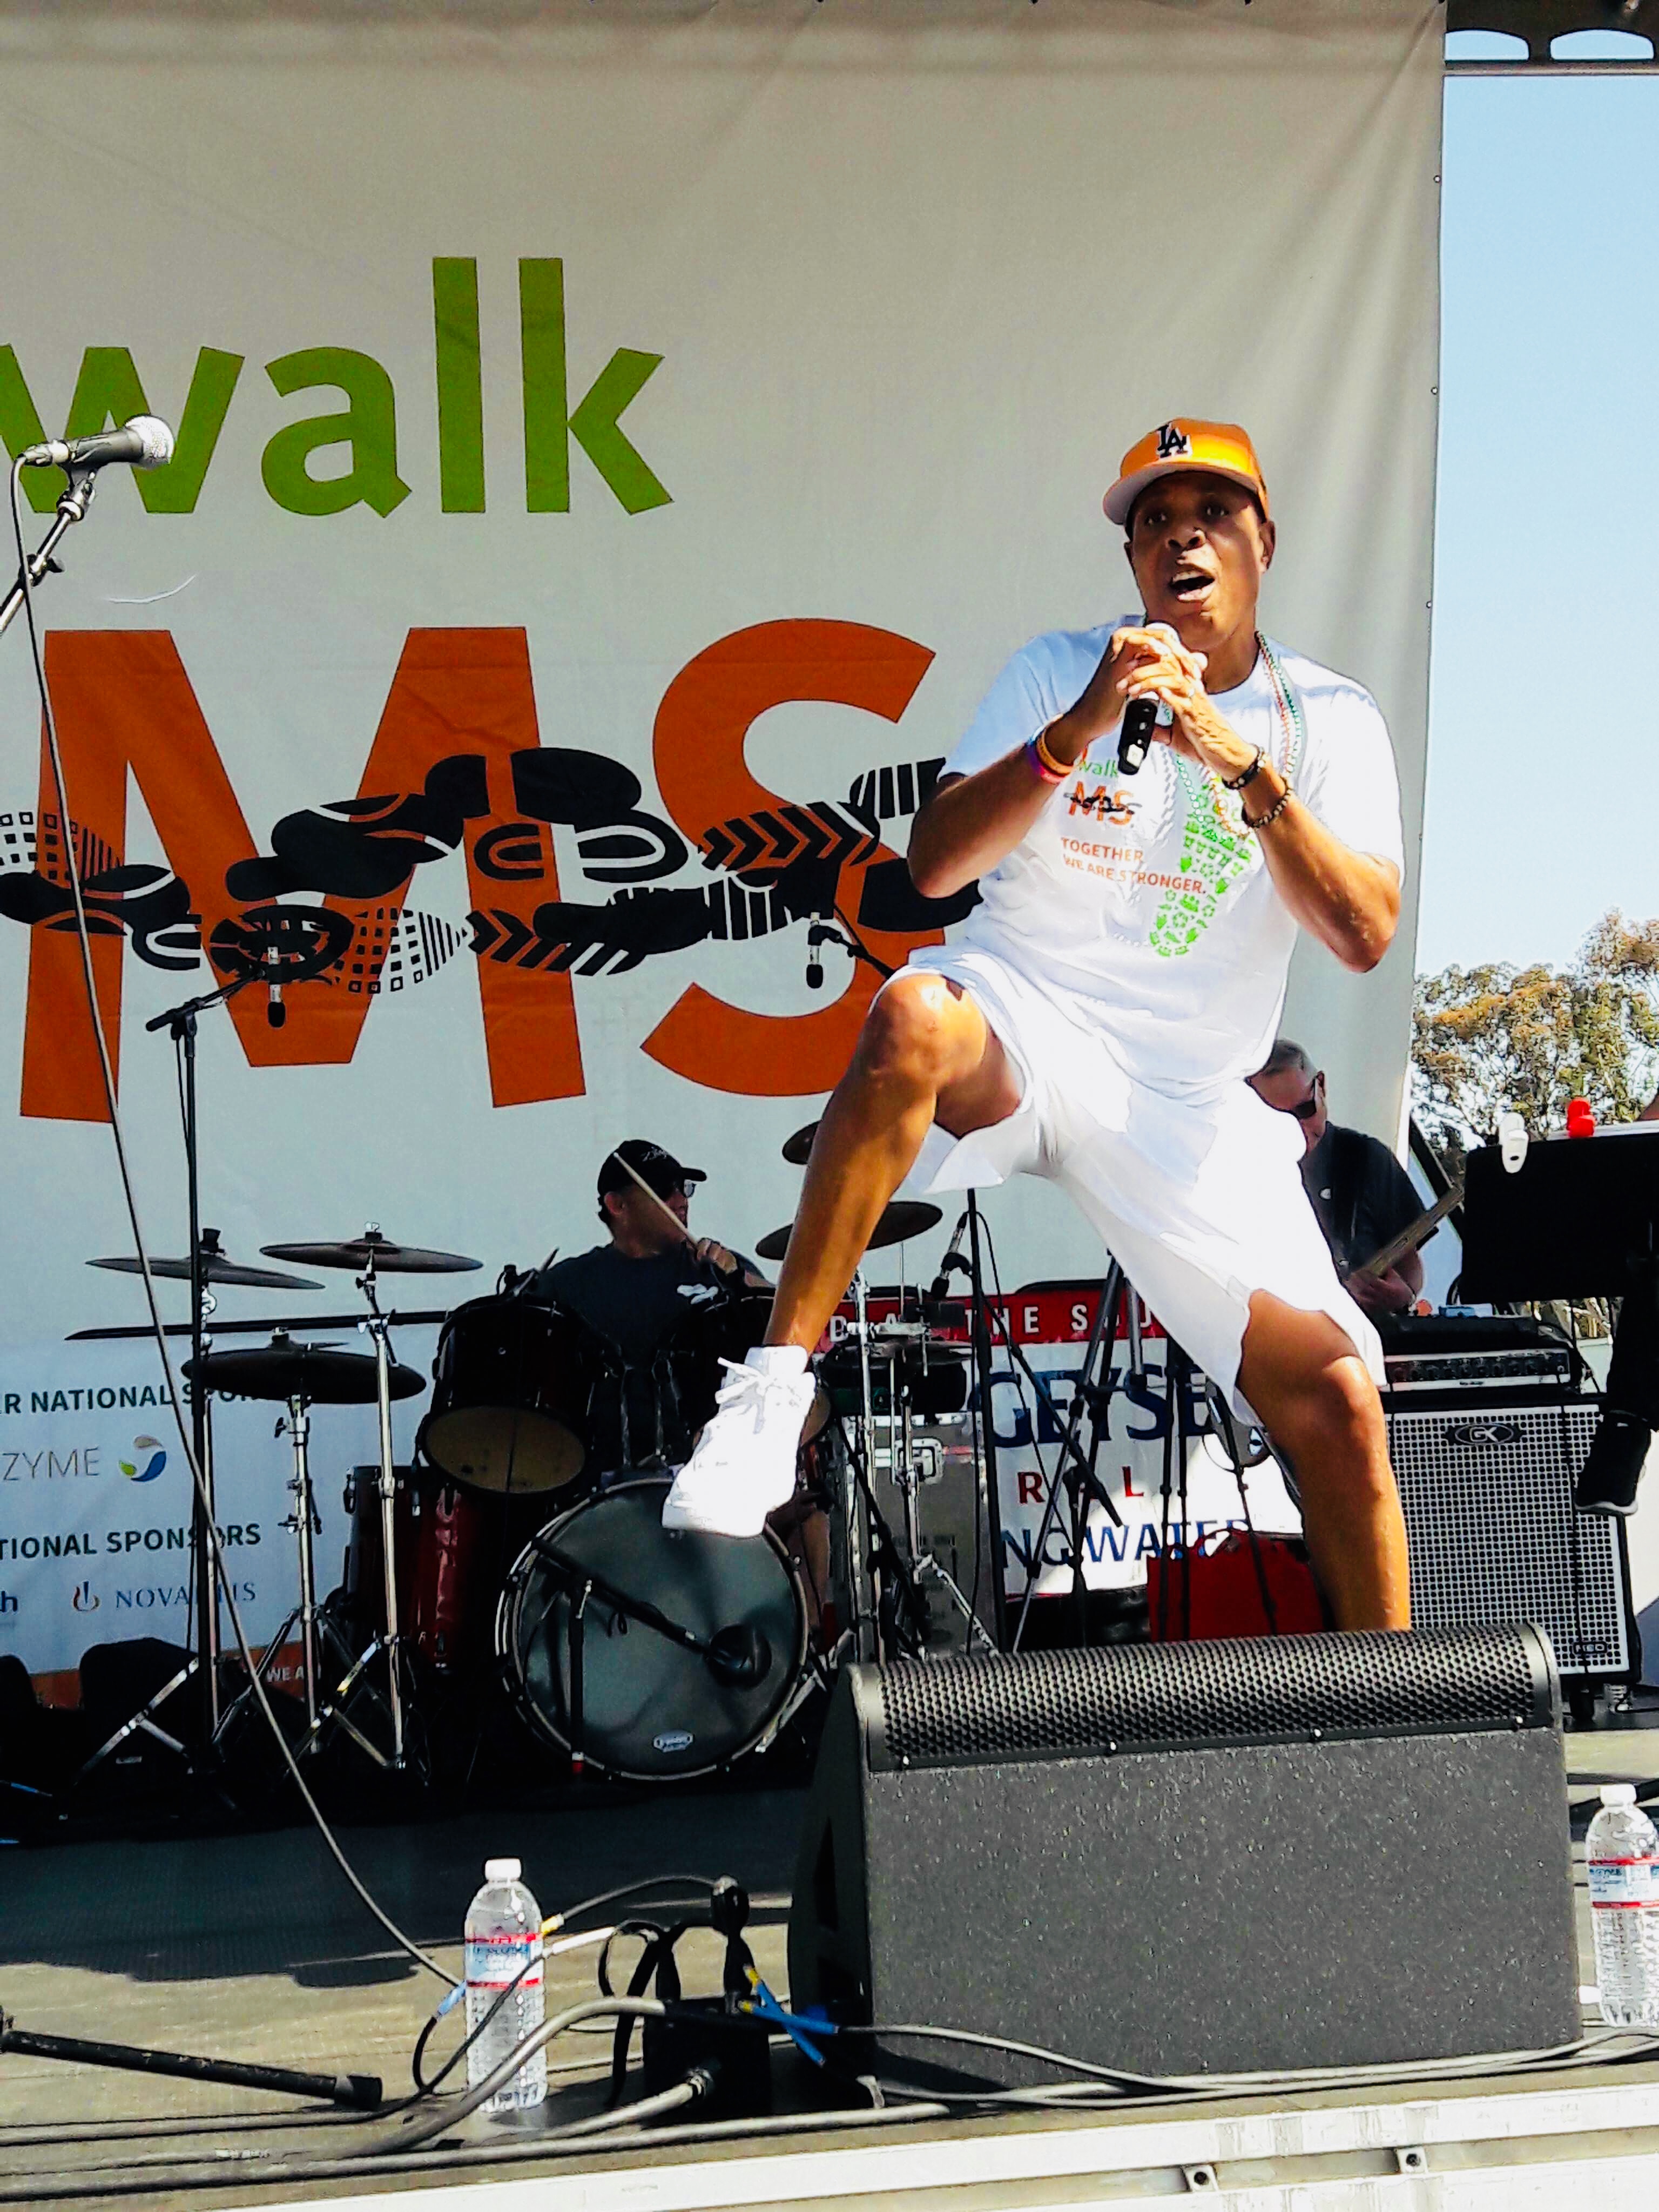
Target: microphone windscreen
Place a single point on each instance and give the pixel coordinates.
(157, 437)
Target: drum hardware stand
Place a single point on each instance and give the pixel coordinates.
(390, 1640)
(305, 1522)
(865, 1612)
(925, 1567)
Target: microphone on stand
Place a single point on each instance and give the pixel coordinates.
(275, 1011)
(952, 1263)
(814, 958)
(145, 442)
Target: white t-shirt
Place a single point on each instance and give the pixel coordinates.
(1144, 897)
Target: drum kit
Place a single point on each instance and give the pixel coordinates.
(525, 1537)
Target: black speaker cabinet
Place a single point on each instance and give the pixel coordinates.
(1486, 1490)
(1307, 1850)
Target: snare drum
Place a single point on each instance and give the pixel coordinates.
(511, 1386)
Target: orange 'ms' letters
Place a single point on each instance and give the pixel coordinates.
(706, 715)
(124, 702)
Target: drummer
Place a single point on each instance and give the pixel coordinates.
(637, 1290)
(641, 1292)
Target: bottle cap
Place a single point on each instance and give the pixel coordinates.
(1617, 1793)
(510, 1869)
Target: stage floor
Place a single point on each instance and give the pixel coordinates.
(253, 1948)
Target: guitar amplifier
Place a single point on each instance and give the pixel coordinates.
(1487, 1489)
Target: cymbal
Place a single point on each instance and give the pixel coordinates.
(389, 1259)
(905, 1217)
(215, 1270)
(317, 1372)
(796, 1148)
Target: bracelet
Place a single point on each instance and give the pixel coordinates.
(1048, 768)
(1238, 782)
(1272, 813)
(1056, 767)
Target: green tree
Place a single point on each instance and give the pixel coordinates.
(1491, 1039)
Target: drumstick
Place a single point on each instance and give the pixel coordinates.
(660, 1203)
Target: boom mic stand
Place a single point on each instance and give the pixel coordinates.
(72, 506)
(203, 1664)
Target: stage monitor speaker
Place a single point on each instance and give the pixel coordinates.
(1486, 1491)
(1235, 1856)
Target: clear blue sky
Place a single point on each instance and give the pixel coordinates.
(1543, 795)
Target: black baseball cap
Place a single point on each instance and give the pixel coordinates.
(660, 1170)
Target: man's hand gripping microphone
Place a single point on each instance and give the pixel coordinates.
(1140, 718)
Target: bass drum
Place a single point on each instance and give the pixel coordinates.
(651, 1709)
(511, 1385)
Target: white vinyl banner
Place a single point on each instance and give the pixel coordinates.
(615, 454)
(95, 1496)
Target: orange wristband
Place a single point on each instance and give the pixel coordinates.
(1059, 770)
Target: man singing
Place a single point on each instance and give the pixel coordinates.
(1096, 1019)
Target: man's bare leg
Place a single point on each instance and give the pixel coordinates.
(1312, 1393)
(925, 1053)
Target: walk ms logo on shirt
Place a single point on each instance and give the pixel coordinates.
(151, 1468)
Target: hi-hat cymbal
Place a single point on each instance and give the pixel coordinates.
(796, 1148)
(905, 1217)
(216, 1269)
(282, 1368)
(388, 1258)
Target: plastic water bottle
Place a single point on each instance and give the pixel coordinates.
(1622, 1854)
(504, 1940)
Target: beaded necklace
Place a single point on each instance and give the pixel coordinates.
(1216, 846)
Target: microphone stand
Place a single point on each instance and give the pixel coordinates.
(42, 562)
(180, 1022)
(203, 1663)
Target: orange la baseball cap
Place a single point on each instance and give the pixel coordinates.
(1223, 448)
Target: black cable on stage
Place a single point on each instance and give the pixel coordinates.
(106, 1073)
(255, 2169)
(425, 2087)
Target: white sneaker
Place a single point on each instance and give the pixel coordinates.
(744, 1467)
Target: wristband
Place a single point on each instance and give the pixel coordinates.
(1055, 766)
(1272, 813)
(1048, 768)
(1250, 775)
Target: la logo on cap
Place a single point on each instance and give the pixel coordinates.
(1173, 443)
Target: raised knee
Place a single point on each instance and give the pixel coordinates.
(1341, 1415)
(906, 1033)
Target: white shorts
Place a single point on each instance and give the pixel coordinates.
(1199, 1197)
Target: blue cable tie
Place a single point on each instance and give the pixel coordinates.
(799, 2027)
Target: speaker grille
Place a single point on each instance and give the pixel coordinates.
(1487, 1496)
(1248, 1690)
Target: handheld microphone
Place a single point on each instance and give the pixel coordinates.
(275, 1011)
(951, 1263)
(1140, 718)
(145, 442)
